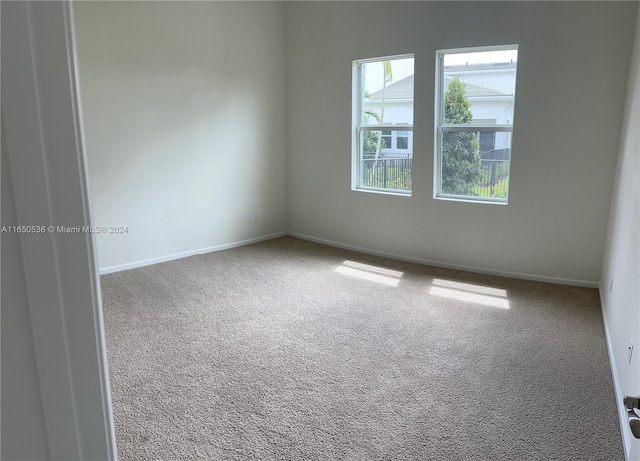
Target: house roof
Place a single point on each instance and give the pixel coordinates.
(478, 89)
(403, 89)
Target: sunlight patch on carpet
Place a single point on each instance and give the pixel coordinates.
(499, 292)
(376, 274)
(467, 292)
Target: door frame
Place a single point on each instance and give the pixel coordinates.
(42, 125)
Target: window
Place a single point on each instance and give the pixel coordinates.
(387, 137)
(395, 142)
(383, 124)
(402, 140)
(475, 95)
(487, 141)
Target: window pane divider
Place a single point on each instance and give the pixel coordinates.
(394, 127)
(478, 128)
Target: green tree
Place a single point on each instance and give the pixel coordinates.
(372, 176)
(371, 139)
(461, 162)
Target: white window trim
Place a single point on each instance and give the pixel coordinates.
(440, 127)
(357, 127)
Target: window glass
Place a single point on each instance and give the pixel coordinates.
(475, 105)
(383, 124)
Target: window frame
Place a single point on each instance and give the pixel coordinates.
(357, 127)
(440, 128)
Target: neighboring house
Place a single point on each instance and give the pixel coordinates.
(490, 89)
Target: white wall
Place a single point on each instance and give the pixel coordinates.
(184, 120)
(573, 63)
(621, 305)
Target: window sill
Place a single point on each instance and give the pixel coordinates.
(382, 192)
(485, 201)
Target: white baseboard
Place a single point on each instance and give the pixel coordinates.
(622, 413)
(185, 254)
(428, 262)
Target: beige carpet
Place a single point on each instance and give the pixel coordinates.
(289, 350)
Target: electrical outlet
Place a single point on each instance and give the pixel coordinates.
(463, 239)
(250, 219)
(611, 285)
(630, 351)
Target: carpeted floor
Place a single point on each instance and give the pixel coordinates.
(289, 350)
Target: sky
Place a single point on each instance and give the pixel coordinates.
(402, 68)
